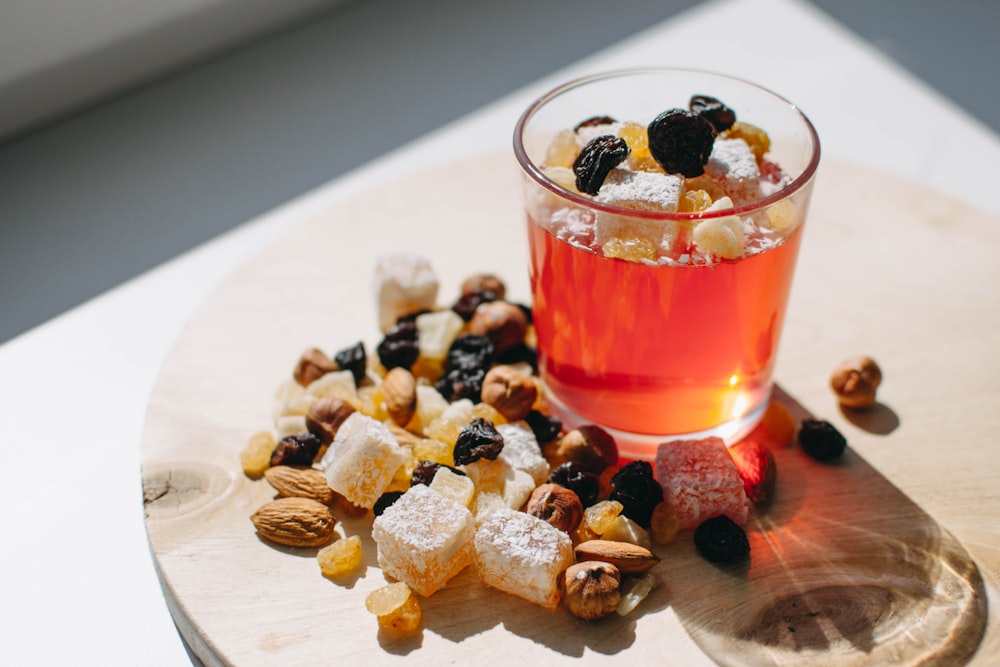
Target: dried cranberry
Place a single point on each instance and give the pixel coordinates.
(424, 472)
(398, 348)
(459, 383)
(596, 160)
(296, 450)
(720, 540)
(545, 427)
(681, 141)
(479, 440)
(714, 111)
(594, 121)
(579, 480)
(637, 490)
(520, 354)
(353, 359)
(470, 351)
(467, 303)
(385, 500)
(821, 440)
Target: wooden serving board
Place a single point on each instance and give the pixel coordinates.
(847, 567)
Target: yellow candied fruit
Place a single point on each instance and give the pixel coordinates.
(256, 456)
(664, 524)
(428, 369)
(636, 137)
(781, 216)
(396, 607)
(713, 189)
(401, 480)
(631, 249)
(779, 424)
(563, 150)
(372, 403)
(600, 516)
(564, 177)
(693, 201)
(436, 451)
(487, 411)
(583, 533)
(755, 137)
(340, 558)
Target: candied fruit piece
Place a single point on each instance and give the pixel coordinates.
(634, 591)
(681, 141)
(453, 484)
(596, 160)
(562, 176)
(488, 499)
(733, 164)
(436, 332)
(779, 424)
(435, 451)
(631, 249)
(781, 216)
(256, 455)
(624, 529)
(664, 524)
(338, 384)
(714, 190)
(340, 558)
(700, 480)
(600, 516)
(404, 283)
(694, 200)
(719, 540)
(362, 459)
(755, 137)
(521, 451)
(487, 411)
(634, 135)
(397, 609)
(562, 150)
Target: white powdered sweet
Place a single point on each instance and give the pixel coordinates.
(733, 164)
(404, 284)
(522, 452)
(640, 191)
(700, 481)
(362, 459)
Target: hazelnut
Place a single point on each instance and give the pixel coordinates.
(399, 391)
(312, 365)
(855, 382)
(502, 322)
(593, 589)
(511, 392)
(590, 446)
(484, 282)
(556, 505)
(325, 416)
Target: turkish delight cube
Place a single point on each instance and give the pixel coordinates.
(362, 459)
(424, 539)
(522, 555)
(404, 284)
(640, 191)
(522, 452)
(700, 481)
(733, 165)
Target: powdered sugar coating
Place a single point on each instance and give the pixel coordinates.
(700, 481)
(521, 451)
(733, 164)
(641, 191)
(362, 459)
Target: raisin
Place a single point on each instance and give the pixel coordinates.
(594, 121)
(596, 160)
(545, 427)
(385, 500)
(467, 303)
(681, 141)
(714, 111)
(470, 351)
(412, 317)
(459, 383)
(399, 348)
(479, 440)
(821, 440)
(520, 354)
(296, 450)
(638, 492)
(526, 309)
(577, 479)
(355, 360)
(424, 472)
(720, 540)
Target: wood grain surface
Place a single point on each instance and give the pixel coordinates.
(890, 556)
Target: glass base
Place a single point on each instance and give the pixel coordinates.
(643, 445)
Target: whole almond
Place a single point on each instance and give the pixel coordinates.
(511, 392)
(295, 522)
(399, 391)
(293, 482)
(629, 558)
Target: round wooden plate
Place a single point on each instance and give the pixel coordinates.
(845, 567)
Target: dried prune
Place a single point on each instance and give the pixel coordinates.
(596, 160)
(470, 351)
(821, 440)
(459, 383)
(424, 472)
(720, 540)
(681, 141)
(718, 114)
(545, 427)
(637, 490)
(296, 450)
(353, 359)
(385, 500)
(467, 303)
(577, 479)
(594, 121)
(479, 440)
(399, 348)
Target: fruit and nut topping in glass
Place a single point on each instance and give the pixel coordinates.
(439, 444)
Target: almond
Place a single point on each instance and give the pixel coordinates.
(293, 482)
(511, 392)
(295, 522)
(399, 391)
(628, 558)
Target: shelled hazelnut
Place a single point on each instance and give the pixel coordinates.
(855, 381)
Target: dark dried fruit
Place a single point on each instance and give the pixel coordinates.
(467, 303)
(712, 109)
(577, 479)
(399, 348)
(545, 427)
(353, 359)
(412, 317)
(479, 440)
(720, 540)
(424, 472)
(296, 450)
(385, 500)
(459, 383)
(520, 354)
(526, 309)
(681, 141)
(637, 490)
(594, 121)
(470, 351)
(596, 160)
(821, 440)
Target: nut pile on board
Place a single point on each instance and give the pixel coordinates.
(442, 438)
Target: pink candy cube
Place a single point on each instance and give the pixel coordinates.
(700, 480)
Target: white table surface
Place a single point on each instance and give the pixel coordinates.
(77, 582)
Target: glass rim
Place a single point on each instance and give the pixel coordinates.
(536, 174)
